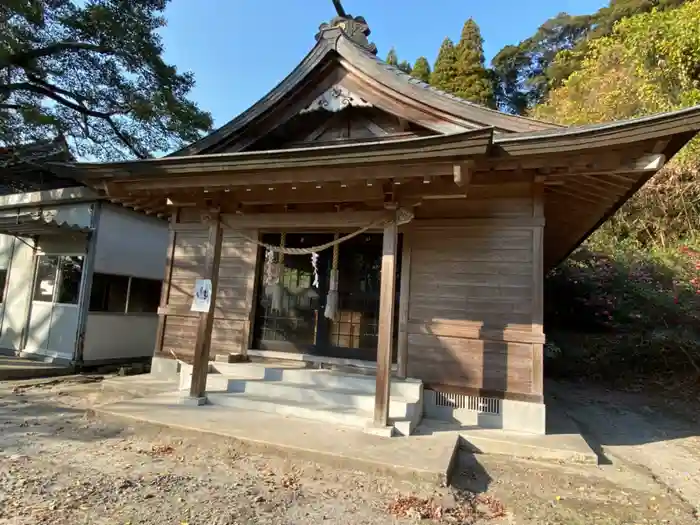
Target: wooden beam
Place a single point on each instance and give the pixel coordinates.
(165, 290)
(231, 178)
(404, 297)
(386, 326)
(342, 219)
(200, 366)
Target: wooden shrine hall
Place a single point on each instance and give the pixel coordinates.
(360, 220)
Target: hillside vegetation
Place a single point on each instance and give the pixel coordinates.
(625, 307)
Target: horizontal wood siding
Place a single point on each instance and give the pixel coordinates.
(492, 201)
(471, 301)
(234, 297)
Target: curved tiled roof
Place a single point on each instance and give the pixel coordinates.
(335, 45)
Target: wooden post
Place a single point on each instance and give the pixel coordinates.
(386, 325)
(404, 294)
(165, 290)
(538, 286)
(200, 367)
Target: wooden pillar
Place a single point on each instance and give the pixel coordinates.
(538, 286)
(386, 326)
(200, 367)
(165, 290)
(404, 294)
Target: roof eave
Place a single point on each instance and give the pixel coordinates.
(658, 126)
(459, 145)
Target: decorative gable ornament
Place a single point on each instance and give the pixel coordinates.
(335, 99)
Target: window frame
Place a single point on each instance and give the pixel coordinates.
(57, 274)
(129, 289)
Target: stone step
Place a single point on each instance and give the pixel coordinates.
(284, 391)
(341, 415)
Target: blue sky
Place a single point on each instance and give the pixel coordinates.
(240, 49)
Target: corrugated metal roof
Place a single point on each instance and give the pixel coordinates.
(25, 223)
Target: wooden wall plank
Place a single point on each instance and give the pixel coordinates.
(470, 307)
(404, 299)
(233, 308)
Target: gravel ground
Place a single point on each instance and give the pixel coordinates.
(61, 465)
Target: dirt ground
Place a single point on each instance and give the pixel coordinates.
(59, 464)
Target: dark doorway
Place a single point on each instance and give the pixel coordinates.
(300, 326)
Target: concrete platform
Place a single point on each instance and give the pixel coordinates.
(141, 385)
(565, 448)
(426, 458)
(15, 368)
(429, 455)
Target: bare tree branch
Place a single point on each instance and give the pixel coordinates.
(23, 58)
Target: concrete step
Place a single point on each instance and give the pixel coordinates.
(282, 391)
(341, 415)
(323, 395)
(410, 389)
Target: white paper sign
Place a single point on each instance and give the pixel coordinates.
(202, 296)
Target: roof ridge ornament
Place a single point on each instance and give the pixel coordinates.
(334, 99)
(355, 28)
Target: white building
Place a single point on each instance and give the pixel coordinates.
(80, 278)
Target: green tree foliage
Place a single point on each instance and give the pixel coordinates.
(634, 287)
(93, 72)
(525, 73)
(392, 58)
(472, 81)
(405, 66)
(445, 68)
(647, 65)
(421, 69)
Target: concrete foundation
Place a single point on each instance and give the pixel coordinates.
(428, 455)
(502, 414)
(190, 401)
(165, 369)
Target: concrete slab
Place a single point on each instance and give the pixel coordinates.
(426, 458)
(15, 368)
(141, 385)
(567, 448)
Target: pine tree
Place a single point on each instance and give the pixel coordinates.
(421, 69)
(93, 73)
(405, 66)
(445, 69)
(473, 81)
(392, 58)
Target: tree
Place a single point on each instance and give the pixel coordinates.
(421, 69)
(405, 66)
(647, 65)
(445, 68)
(93, 72)
(525, 73)
(393, 60)
(472, 82)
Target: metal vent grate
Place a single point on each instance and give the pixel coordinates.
(482, 405)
